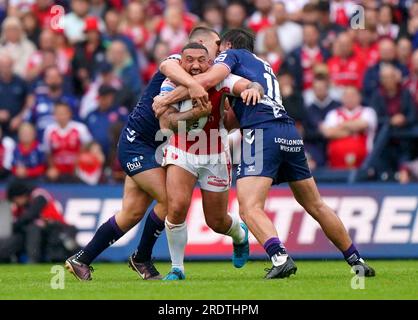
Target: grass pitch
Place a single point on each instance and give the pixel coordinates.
(216, 280)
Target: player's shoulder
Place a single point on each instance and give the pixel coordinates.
(175, 56)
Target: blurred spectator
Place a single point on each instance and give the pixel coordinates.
(350, 130)
(408, 172)
(395, 107)
(105, 115)
(301, 62)
(7, 145)
(290, 34)
(174, 32)
(28, 158)
(341, 11)
(124, 68)
(404, 52)
(19, 7)
(412, 81)
(134, 26)
(63, 141)
(39, 228)
(385, 27)
(188, 20)
(345, 68)
(213, 16)
(328, 30)
(43, 12)
(31, 27)
(387, 55)
(366, 46)
(89, 55)
(74, 22)
(291, 97)
(310, 13)
(41, 112)
(13, 96)
(117, 173)
(273, 53)
(323, 103)
(235, 16)
(15, 44)
(160, 53)
(117, 31)
(98, 8)
(106, 77)
(262, 17)
(89, 168)
(392, 102)
(47, 44)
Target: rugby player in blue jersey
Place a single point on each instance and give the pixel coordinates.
(145, 179)
(272, 152)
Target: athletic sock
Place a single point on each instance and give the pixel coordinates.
(108, 233)
(154, 226)
(236, 232)
(351, 255)
(274, 246)
(177, 240)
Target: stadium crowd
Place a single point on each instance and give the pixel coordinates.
(71, 71)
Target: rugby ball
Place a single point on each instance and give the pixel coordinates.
(187, 105)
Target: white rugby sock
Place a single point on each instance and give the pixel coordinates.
(177, 240)
(236, 232)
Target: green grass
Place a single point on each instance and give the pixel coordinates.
(216, 280)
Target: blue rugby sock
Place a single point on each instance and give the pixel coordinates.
(351, 255)
(108, 233)
(152, 230)
(274, 246)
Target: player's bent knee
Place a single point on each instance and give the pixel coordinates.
(218, 225)
(178, 209)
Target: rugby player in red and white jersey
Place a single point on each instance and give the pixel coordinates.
(198, 152)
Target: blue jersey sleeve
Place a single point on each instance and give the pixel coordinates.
(229, 58)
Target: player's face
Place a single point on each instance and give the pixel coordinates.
(212, 44)
(195, 61)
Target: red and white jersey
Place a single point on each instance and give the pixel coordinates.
(210, 139)
(338, 116)
(64, 144)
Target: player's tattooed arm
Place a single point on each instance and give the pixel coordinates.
(172, 69)
(174, 120)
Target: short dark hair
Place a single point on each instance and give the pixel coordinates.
(194, 45)
(199, 31)
(239, 39)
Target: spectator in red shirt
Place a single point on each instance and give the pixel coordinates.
(263, 17)
(366, 46)
(42, 11)
(301, 62)
(28, 158)
(174, 31)
(350, 130)
(134, 26)
(63, 141)
(345, 68)
(213, 16)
